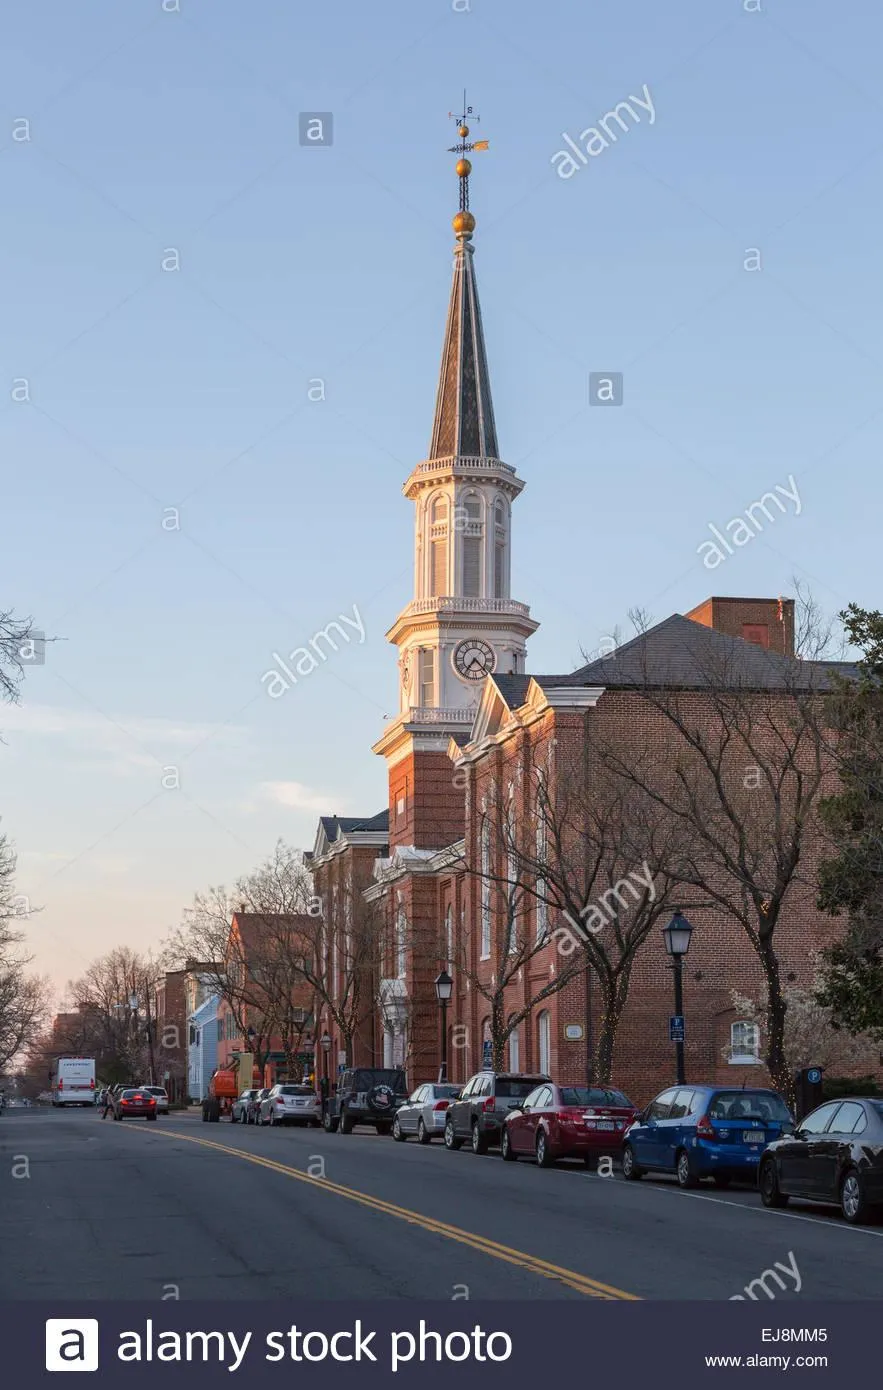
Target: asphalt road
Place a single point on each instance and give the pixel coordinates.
(179, 1209)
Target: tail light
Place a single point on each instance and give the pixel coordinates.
(704, 1128)
(489, 1104)
(92, 1084)
(565, 1117)
(60, 1084)
(441, 1105)
(280, 1100)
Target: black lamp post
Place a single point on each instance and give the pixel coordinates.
(444, 987)
(677, 943)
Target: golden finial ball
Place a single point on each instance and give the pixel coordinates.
(464, 223)
(464, 168)
(463, 131)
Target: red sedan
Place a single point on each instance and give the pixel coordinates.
(134, 1102)
(567, 1122)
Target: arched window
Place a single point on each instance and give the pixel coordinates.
(513, 896)
(472, 546)
(449, 939)
(544, 1041)
(744, 1041)
(439, 512)
(541, 849)
(487, 1052)
(485, 890)
(514, 1051)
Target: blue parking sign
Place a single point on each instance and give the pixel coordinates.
(676, 1028)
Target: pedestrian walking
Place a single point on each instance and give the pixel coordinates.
(108, 1103)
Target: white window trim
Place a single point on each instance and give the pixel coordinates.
(745, 1059)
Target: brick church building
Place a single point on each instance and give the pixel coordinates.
(477, 730)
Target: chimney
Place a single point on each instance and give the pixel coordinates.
(767, 622)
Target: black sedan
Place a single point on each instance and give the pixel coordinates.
(835, 1155)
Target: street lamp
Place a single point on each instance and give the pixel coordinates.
(444, 988)
(677, 943)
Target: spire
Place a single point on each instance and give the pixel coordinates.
(464, 412)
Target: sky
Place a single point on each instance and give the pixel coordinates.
(220, 349)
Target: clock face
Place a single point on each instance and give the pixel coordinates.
(473, 659)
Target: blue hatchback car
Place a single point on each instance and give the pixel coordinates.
(705, 1132)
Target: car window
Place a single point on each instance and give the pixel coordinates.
(515, 1088)
(818, 1120)
(748, 1105)
(878, 1106)
(593, 1095)
(487, 1083)
(418, 1096)
(850, 1119)
(295, 1090)
(444, 1092)
(660, 1108)
(681, 1105)
(531, 1100)
(467, 1089)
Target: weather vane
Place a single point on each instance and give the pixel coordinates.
(464, 222)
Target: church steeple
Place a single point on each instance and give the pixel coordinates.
(464, 412)
(462, 623)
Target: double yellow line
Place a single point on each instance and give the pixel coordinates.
(581, 1283)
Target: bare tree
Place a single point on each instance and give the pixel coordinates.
(747, 752)
(23, 997)
(115, 1004)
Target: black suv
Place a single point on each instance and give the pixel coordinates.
(366, 1096)
(481, 1107)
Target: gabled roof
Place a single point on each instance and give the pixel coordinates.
(336, 830)
(681, 654)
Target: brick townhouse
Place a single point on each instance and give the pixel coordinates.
(260, 962)
(472, 725)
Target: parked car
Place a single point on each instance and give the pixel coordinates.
(423, 1113)
(239, 1108)
(134, 1102)
(288, 1103)
(835, 1155)
(478, 1112)
(567, 1122)
(162, 1098)
(705, 1132)
(366, 1096)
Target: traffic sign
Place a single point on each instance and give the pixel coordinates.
(676, 1028)
(814, 1076)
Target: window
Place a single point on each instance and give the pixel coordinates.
(439, 576)
(472, 566)
(427, 678)
(748, 1105)
(757, 633)
(418, 1096)
(514, 1050)
(530, 1100)
(744, 1042)
(542, 908)
(512, 893)
(817, 1122)
(544, 1040)
(850, 1118)
(593, 1095)
(401, 929)
(439, 510)
(485, 891)
(660, 1108)
(449, 938)
(681, 1105)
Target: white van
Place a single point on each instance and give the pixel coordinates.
(73, 1081)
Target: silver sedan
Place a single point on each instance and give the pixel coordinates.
(423, 1113)
(288, 1103)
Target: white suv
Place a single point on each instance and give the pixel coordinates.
(162, 1098)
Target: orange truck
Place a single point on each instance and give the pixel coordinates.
(226, 1084)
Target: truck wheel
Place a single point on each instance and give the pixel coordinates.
(346, 1123)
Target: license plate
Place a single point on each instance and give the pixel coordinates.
(753, 1136)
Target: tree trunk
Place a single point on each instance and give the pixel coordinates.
(499, 1034)
(776, 1058)
(614, 993)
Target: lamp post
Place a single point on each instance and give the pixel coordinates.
(444, 987)
(677, 943)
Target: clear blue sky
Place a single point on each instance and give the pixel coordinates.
(149, 389)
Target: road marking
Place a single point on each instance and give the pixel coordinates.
(581, 1283)
(829, 1223)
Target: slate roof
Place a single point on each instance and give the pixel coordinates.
(464, 412)
(684, 655)
(348, 825)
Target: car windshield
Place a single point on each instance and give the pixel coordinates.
(584, 1095)
(516, 1088)
(134, 1092)
(154, 1090)
(748, 1105)
(445, 1092)
(296, 1091)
